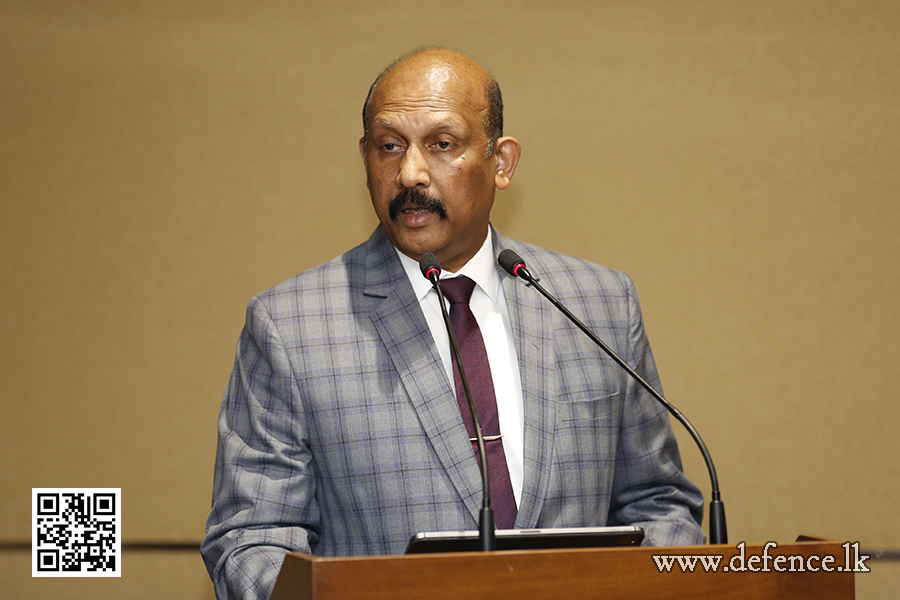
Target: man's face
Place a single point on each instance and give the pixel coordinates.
(428, 171)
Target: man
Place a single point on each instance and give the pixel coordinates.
(340, 432)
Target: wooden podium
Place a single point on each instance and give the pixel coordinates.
(608, 573)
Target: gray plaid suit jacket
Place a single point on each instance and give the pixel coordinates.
(339, 432)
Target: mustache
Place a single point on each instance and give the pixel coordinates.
(414, 197)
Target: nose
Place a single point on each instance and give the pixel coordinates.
(414, 169)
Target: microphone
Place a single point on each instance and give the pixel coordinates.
(431, 269)
(718, 531)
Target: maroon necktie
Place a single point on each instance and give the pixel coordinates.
(458, 290)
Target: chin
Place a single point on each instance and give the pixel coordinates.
(418, 244)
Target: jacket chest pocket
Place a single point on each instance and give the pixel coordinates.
(588, 409)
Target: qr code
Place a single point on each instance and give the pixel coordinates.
(76, 532)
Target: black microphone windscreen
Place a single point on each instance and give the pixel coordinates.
(427, 263)
(509, 260)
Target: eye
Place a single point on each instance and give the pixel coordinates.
(389, 146)
(444, 145)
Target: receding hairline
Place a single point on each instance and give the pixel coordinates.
(493, 119)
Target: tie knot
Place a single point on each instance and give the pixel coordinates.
(458, 290)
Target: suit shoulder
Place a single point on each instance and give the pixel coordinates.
(572, 275)
(315, 290)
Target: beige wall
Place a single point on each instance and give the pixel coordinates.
(161, 162)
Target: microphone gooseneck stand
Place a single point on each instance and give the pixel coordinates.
(718, 531)
(431, 269)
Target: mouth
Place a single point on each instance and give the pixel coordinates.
(415, 216)
(415, 208)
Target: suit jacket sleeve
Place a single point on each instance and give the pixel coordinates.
(264, 489)
(650, 488)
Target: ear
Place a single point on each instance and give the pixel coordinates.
(362, 153)
(507, 151)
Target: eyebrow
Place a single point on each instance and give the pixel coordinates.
(440, 125)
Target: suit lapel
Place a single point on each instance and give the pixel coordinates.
(531, 326)
(400, 323)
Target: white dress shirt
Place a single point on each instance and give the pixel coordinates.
(488, 304)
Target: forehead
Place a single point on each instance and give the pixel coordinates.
(430, 90)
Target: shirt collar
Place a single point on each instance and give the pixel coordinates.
(479, 269)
